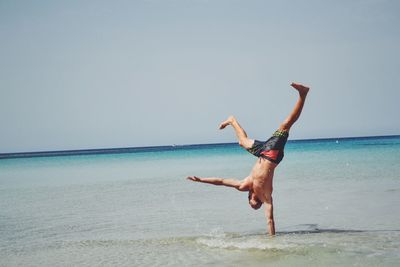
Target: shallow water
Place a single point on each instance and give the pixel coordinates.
(337, 203)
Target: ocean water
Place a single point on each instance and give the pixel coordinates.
(337, 203)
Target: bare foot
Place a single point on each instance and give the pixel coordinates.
(303, 90)
(227, 122)
(193, 178)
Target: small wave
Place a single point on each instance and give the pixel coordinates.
(126, 242)
(393, 190)
(245, 243)
(293, 239)
(379, 144)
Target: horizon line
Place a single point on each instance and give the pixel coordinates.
(121, 150)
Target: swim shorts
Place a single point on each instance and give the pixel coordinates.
(272, 149)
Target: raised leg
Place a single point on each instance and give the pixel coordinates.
(293, 117)
(241, 135)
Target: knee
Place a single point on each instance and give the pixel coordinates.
(285, 126)
(246, 143)
(243, 144)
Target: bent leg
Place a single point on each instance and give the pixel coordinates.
(293, 117)
(241, 135)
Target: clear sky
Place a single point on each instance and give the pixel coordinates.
(99, 74)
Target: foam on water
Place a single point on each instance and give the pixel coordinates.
(327, 247)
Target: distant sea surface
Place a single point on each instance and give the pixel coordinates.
(337, 203)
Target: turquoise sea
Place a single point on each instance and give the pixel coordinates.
(337, 203)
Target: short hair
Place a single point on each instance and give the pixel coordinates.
(259, 203)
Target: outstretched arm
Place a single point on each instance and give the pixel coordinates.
(219, 181)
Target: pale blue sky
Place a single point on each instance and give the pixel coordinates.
(98, 74)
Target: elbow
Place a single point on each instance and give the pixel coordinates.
(242, 187)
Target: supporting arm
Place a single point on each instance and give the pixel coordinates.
(269, 215)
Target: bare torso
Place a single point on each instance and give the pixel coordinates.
(261, 176)
(259, 182)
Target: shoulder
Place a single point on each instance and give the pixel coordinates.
(246, 184)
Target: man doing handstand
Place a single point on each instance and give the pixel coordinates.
(269, 153)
